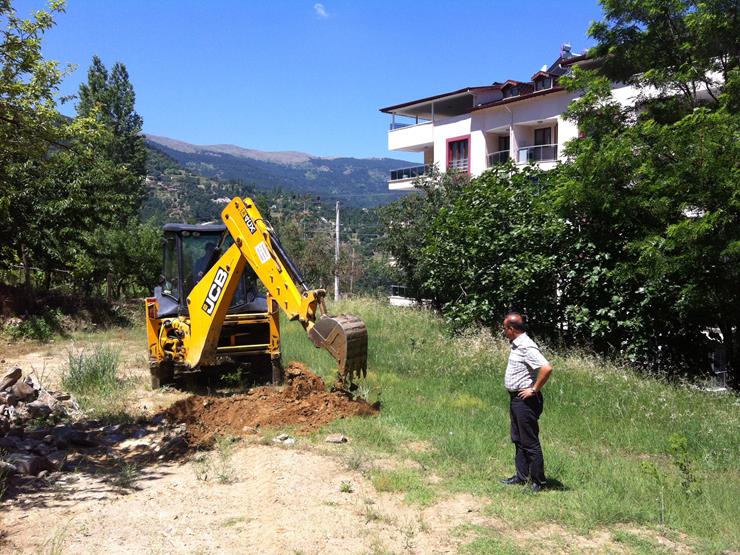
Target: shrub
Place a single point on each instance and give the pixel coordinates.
(94, 379)
(36, 327)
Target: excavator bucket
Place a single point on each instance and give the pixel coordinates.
(345, 337)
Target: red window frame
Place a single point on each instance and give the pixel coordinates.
(449, 144)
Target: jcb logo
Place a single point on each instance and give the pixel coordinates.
(250, 224)
(248, 219)
(214, 291)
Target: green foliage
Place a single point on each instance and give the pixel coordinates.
(109, 99)
(312, 250)
(95, 381)
(66, 184)
(408, 229)
(672, 45)
(35, 327)
(496, 248)
(653, 188)
(29, 124)
(131, 254)
(681, 457)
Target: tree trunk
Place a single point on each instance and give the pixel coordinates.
(26, 267)
(109, 284)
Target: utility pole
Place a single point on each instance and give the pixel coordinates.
(336, 257)
(352, 275)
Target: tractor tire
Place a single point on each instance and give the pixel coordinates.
(162, 373)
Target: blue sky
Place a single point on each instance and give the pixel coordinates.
(298, 75)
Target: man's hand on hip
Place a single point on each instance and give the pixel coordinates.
(526, 393)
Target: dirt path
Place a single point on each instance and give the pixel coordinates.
(282, 500)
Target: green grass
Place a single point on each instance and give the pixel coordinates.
(621, 446)
(488, 541)
(405, 480)
(94, 378)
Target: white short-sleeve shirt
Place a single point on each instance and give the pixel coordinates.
(525, 360)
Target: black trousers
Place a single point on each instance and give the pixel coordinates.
(525, 430)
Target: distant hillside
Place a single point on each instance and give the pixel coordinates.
(356, 181)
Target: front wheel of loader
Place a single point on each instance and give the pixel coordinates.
(162, 373)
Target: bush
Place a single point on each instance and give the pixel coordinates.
(94, 379)
(38, 327)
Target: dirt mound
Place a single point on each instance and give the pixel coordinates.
(302, 402)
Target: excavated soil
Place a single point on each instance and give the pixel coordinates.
(302, 403)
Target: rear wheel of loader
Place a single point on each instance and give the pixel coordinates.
(162, 373)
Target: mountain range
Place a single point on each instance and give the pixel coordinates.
(361, 182)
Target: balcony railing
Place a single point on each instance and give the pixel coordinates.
(401, 125)
(498, 157)
(460, 165)
(539, 153)
(410, 173)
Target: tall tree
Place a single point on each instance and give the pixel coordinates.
(109, 98)
(654, 188)
(677, 46)
(30, 126)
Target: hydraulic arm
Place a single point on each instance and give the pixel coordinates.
(255, 243)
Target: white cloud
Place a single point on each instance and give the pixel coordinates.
(320, 10)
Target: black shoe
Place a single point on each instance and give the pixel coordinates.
(513, 481)
(536, 488)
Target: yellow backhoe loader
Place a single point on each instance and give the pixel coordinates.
(207, 308)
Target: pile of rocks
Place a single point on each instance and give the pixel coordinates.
(43, 433)
(24, 401)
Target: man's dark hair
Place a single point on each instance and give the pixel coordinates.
(515, 321)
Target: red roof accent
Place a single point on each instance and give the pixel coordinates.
(543, 74)
(512, 83)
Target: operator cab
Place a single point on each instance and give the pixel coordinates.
(189, 252)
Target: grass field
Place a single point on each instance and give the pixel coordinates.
(621, 448)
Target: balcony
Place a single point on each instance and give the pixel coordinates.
(410, 137)
(499, 157)
(410, 173)
(539, 153)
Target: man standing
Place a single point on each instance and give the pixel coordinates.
(526, 373)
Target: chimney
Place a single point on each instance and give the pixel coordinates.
(565, 52)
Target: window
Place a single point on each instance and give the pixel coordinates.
(503, 143)
(171, 284)
(543, 83)
(457, 154)
(543, 136)
(511, 91)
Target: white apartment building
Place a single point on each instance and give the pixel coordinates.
(474, 128)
